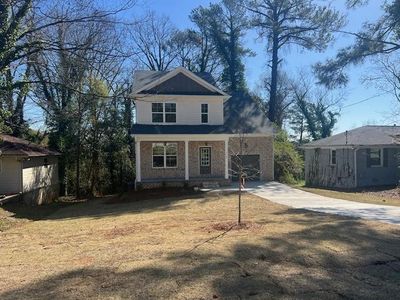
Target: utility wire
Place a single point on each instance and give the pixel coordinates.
(364, 100)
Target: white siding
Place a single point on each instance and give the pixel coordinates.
(36, 174)
(188, 110)
(10, 175)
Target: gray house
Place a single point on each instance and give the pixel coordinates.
(362, 157)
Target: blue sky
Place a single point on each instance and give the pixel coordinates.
(374, 111)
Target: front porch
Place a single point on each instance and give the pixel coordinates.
(181, 160)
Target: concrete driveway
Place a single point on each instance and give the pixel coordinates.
(283, 194)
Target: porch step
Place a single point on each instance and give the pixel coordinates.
(210, 185)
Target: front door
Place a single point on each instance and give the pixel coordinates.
(205, 160)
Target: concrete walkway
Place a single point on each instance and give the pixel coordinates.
(283, 194)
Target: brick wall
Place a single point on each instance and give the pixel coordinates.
(217, 159)
(256, 145)
(146, 166)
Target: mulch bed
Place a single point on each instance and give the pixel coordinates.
(227, 226)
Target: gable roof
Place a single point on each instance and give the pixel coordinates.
(188, 83)
(242, 115)
(361, 136)
(10, 145)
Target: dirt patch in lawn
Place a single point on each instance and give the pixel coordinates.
(387, 195)
(160, 249)
(228, 226)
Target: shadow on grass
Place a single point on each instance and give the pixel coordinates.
(130, 202)
(338, 258)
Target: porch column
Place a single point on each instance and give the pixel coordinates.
(186, 160)
(226, 159)
(137, 152)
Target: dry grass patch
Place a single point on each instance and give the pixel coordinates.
(180, 248)
(383, 195)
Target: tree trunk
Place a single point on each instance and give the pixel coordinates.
(274, 80)
(240, 198)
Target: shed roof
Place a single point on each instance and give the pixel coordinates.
(361, 136)
(10, 145)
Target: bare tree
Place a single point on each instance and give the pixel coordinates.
(241, 170)
(196, 52)
(153, 42)
(318, 105)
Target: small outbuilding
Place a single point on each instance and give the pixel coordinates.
(363, 157)
(28, 170)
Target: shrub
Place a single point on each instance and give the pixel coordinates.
(288, 162)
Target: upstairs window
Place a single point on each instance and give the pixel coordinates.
(157, 113)
(333, 157)
(163, 112)
(170, 112)
(165, 155)
(204, 113)
(375, 157)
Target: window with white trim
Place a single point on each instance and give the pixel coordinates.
(163, 112)
(205, 156)
(165, 155)
(333, 157)
(204, 113)
(170, 112)
(157, 112)
(375, 157)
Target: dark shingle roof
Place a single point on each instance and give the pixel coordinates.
(362, 136)
(10, 145)
(142, 78)
(242, 114)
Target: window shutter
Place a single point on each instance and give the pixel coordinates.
(368, 158)
(385, 157)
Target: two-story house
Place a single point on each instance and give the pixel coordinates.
(189, 131)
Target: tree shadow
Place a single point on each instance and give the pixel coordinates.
(331, 258)
(113, 205)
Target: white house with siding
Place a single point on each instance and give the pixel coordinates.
(28, 170)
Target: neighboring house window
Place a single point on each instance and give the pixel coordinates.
(170, 112)
(165, 155)
(204, 113)
(375, 157)
(333, 157)
(157, 112)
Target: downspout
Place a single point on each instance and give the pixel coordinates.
(355, 168)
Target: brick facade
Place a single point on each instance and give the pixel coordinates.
(217, 159)
(263, 146)
(150, 173)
